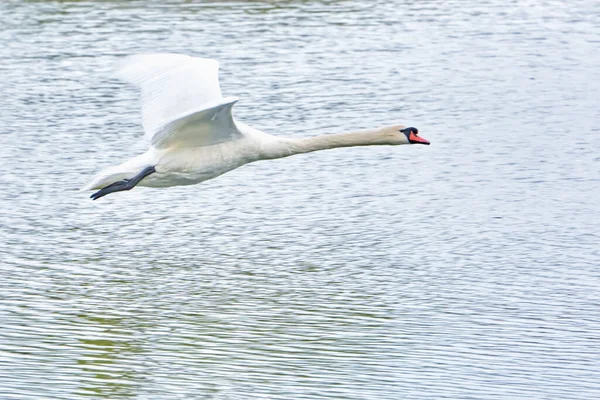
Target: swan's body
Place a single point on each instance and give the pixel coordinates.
(193, 134)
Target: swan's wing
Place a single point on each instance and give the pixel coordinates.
(181, 99)
(212, 124)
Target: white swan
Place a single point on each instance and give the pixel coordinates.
(193, 134)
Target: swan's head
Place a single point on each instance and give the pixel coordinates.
(400, 134)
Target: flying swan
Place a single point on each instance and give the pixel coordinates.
(193, 135)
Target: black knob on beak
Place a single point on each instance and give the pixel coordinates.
(412, 136)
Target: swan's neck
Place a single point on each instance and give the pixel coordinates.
(290, 146)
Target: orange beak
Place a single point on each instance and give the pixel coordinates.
(416, 139)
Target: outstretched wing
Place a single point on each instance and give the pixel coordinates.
(182, 102)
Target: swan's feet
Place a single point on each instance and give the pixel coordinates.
(114, 187)
(125, 184)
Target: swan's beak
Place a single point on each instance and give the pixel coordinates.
(416, 139)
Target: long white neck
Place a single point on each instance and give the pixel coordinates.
(285, 147)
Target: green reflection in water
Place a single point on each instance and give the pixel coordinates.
(105, 361)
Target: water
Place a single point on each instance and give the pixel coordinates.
(468, 269)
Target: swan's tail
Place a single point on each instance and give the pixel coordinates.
(127, 170)
(107, 177)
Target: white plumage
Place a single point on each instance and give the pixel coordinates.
(181, 99)
(193, 134)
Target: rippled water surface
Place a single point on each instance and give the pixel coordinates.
(469, 269)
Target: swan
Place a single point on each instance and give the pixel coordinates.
(193, 135)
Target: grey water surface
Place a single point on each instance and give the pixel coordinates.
(469, 269)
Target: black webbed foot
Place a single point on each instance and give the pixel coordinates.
(114, 187)
(125, 184)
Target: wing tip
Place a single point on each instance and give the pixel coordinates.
(230, 99)
(138, 67)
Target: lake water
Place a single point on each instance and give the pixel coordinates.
(468, 269)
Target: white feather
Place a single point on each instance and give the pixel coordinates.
(182, 102)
